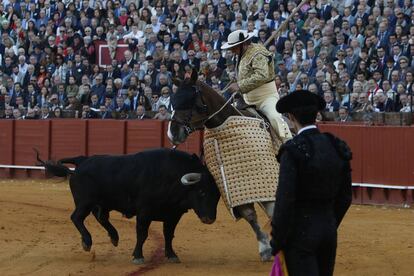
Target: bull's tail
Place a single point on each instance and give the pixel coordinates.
(53, 168)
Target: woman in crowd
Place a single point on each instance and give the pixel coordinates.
(57, 113)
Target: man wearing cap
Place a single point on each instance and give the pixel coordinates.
(73, 103)
(256, 78)
(314, 190)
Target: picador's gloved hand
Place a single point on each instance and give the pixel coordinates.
(234, 87)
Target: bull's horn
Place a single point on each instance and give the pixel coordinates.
(191, 178)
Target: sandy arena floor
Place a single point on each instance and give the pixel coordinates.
(38, 238)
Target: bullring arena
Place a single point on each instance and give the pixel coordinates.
(38, 238)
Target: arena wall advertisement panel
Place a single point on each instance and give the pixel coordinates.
(103, 57)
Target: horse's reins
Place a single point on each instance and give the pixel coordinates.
(205, 120)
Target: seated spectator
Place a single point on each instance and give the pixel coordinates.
(154, 102)
(44, 112)
(162, 114)
(104, 112)
(99, 89)
(84, 94)
(72, 88)
(73, 104)
(353, 103)
(53, 102)
(30, 114)
(57, 113)
(165, 98)
(363, 104)
(331, 103)
(145, 102)
(384, 103)
(17, 114)
(20, 103)
(343, 115)
(121, 106)
(406, 103)
(141, 113)
(95, 102)
(8, 112)
(87, 113)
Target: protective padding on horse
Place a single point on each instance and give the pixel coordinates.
(242, 159)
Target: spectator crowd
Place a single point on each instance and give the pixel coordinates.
(357, 54)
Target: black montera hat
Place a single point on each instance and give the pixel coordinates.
(300, 99)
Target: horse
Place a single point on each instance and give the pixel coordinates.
(198, 106)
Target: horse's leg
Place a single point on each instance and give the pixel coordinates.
(268, 207)
(249, 214)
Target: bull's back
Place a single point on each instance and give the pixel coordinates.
(151, 172)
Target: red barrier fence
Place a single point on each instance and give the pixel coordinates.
(383, 172)
(382, 167)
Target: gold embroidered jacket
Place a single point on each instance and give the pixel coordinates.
(256, 68)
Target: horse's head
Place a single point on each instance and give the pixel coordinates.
(189, 110)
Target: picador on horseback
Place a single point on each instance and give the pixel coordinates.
(255, 78)
(238, 149)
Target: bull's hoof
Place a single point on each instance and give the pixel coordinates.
(86, 247)
(266, 255)
(114, 242)
(138, 261)
(174, 260)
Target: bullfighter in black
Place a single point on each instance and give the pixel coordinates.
(314, 190)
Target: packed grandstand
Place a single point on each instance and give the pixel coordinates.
(116, 59)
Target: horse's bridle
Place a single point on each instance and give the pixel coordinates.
(186, 123)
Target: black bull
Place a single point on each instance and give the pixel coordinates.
(154, 185)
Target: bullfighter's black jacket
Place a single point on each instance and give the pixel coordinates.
(315, 188)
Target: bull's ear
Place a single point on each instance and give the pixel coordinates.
(191, 178)
(177, 82)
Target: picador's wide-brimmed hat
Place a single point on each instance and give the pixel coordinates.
(300, 99)
(235, 38)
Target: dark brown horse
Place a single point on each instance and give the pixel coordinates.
(196, 106)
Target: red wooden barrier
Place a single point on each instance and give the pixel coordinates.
(382, 155)
(106, 137)
(142, 135)
(409, 153)
(193, 143)
(68, 138)
(29, 135)
(6, 145)
(353, 136)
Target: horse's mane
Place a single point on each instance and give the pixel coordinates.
(221, 100)
(207, 88)
(211, 91)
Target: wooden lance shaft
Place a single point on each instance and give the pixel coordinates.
(284, 23)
